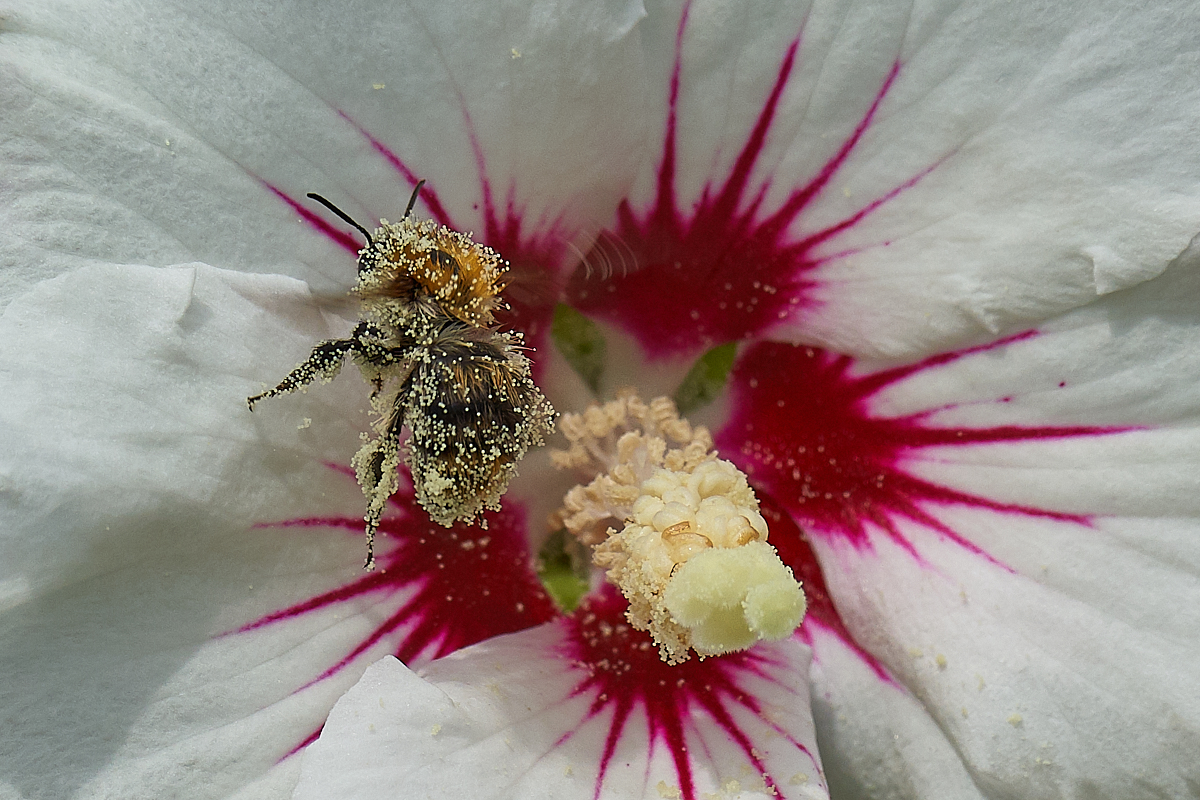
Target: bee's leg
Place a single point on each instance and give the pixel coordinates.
(324, 363)
(375, 465)
(381, 364)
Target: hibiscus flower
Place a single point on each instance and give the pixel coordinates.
(924, 271)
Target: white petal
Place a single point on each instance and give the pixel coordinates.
(145, 135)
(1048, 143)
(877, 740)
(105, 365)
(1041, 692)
(1131, 360)
(1069, 661)
(131, 473)
(507, 718)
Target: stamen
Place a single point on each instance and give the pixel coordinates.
(691, 556)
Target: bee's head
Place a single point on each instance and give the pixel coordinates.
(416, 260)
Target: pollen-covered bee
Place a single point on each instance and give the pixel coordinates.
(428, 344)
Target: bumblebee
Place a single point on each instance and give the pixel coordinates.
(428, 345)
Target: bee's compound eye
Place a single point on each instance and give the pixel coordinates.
(443, 260)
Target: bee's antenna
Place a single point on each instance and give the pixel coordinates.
(412, 201)
(344, 215)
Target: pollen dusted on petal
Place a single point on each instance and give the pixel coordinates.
(691, 557)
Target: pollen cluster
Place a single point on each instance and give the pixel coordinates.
(691, 555)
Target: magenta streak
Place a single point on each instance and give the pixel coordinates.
(429, 195)
(727, 200)
(424, 633)
(419, 638)
(774, 226)
(795, 551)
(506, 236)
(833, 465)
(803, 429)
(721, 716)
(463, 584)
(811, 623)
(413, 565)
(729, 276)
(833, 230)
(664, 721)
(903, 487)
(806, 635)
(312, 737)
(620, 716)
(347, 240)
(873, 382)
(371, 582)
(624, 672)
(664, 213)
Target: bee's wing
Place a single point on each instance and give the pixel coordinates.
(342, 304)
(606, 256)
(532, 291)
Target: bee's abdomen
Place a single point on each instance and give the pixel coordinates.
(474, 412)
